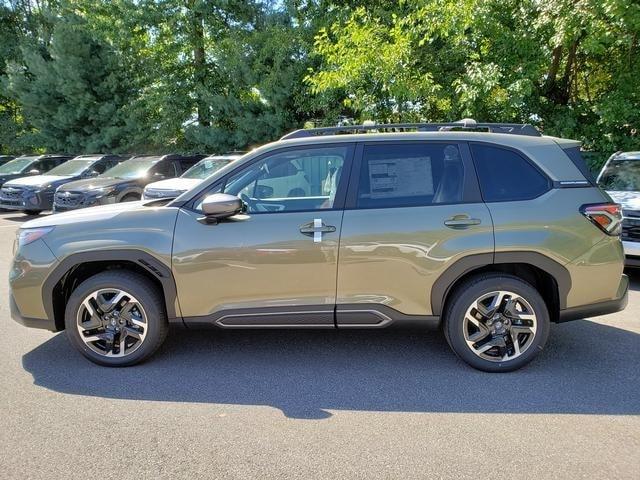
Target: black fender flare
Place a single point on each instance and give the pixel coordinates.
(461, 267)
(151, 264)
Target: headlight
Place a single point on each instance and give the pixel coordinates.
(105, 192)
(30, 235)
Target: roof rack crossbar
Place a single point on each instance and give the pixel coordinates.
(509, 128)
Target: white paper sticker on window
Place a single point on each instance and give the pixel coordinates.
(400, 177)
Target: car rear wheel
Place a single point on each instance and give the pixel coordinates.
(496, 322)
(116, 318)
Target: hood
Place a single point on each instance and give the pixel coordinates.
(628, 200)
(5, 178)
(93, 184)
(36, 181)
(91, 214)
(180, 184)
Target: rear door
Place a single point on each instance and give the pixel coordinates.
(413, 210)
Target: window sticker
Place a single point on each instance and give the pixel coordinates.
(400, 177)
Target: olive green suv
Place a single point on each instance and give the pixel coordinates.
(487, 231)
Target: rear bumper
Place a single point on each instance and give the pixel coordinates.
(601, 308)
(43, 323)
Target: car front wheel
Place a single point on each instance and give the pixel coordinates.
(116, 318)
(496, 322)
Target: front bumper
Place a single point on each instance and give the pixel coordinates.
(601, 308)
(65, 204)
(29, 201)
(632, 253)
(43, 323)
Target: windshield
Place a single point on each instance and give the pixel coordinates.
(621, 175)
(16, 166)
(72, 167)
(134, 168)
(206, 167)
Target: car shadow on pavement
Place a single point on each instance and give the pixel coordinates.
(587, 368)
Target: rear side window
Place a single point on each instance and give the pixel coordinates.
(505, 175)
(576, 157)
(397, 175)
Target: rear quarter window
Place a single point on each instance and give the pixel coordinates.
(505, 175)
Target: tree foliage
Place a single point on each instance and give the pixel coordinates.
(215, 75)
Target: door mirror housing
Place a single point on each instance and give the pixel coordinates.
(220, 205)
(91, 173)
(34, 171)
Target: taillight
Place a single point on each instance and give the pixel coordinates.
(606, 216)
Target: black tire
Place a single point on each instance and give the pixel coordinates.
(33, 212)
(130, 197)
(148, 297)
(474, 288)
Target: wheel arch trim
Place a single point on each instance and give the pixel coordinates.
(148, 262)
(442, 286)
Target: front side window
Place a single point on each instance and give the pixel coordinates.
(165, 169)
(413, 174)
(505, 175)
(294, 180)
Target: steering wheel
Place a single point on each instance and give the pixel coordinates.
(250, 204)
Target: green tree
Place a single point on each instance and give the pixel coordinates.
(75, 95)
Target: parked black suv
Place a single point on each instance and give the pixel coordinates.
(26, 165)
(123, 183)
(35, 193)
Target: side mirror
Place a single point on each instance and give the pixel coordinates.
(159, 176)
(91, 173)
(264, 191)
(35, 171)
(220, 205)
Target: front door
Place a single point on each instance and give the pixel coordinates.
(276, 264)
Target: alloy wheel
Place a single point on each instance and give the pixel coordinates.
(499, 326)
(111, 322)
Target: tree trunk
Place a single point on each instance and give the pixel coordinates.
(199, 62)
(550, 83)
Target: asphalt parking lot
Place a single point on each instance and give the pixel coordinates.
(320, 404)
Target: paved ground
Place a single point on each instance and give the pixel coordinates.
(367, 404)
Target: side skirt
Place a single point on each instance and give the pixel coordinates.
(313, 316)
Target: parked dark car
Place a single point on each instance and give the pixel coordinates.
(26, 165)
(5, 158)
(35, 193)
(123, 183)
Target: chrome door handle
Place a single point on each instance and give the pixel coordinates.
(315, 229)
(461, 221)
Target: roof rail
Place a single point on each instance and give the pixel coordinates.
(464, 124)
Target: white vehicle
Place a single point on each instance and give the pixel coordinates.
(174, 187)
(620, 177)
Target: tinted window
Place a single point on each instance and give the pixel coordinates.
(294, 180)
(505, 175)
(396, 175)
(101, 166)
(576, 157)
(166, 168)
(187, 163)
